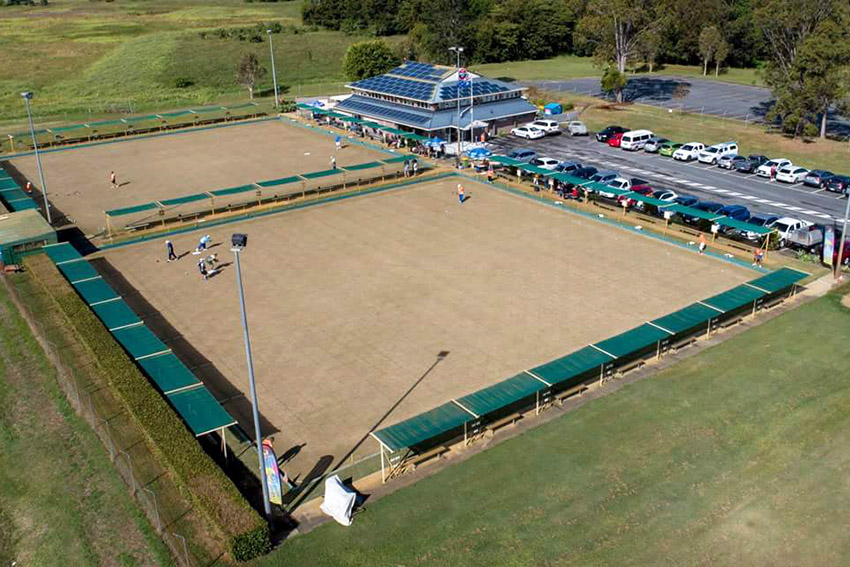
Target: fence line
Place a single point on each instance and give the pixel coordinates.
(94, 404)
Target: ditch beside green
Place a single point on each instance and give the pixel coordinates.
(735, 456)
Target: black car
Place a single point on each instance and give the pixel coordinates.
(568, 167)
(758, 219)
(818, 178)
(609, 131)
(838, 183)
(686, 200)
(706, 206)
(737, 212)
(750, 164)
(585, 172)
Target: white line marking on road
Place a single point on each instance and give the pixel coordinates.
(721, 190)
(818, 190)
(749, 197)
(734, 194)
(710, 187)
(765, 201)
(793, 208)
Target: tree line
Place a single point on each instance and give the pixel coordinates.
(801, 46)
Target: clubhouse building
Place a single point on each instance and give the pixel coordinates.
(430, 100)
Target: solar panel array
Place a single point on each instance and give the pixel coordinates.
(423, 71)
(407, 88)
(479, 88)
(377, 110)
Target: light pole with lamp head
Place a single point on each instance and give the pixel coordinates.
(239, 242)
(27, 98)
(274, 74)
(458, 50)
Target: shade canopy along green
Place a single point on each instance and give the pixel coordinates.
(398, 159)
(744, 226)
(114, 314)
(9, 183)
(132, 210)
(639, 198)
(281, 181)
(423, 427)
(78, 271)
(735, 298)
(693, 212)
(562, 370)
(414, 137)
(24, 205)
(200, 410)
(632, 341)
(184, 200)
(318, 174)
(362, 166)
(233, 190)
(140, 342)
(95, 291)
(505, 160)
(63, 252)
(498, 396)
(175, 114)
(686, 319)
(168, 373)
(779, 280)
(536, 170)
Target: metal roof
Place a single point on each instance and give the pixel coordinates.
(24, 226)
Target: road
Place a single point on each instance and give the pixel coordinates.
(742, 102)
(706, 182)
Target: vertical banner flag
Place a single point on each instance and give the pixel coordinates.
(272, 473)
(828, 245)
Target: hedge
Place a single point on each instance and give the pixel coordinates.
(178, 451)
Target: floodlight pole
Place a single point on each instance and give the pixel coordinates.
(843, 236)
(27, 96)
(274, 74)
(254, 402)
(458, 50)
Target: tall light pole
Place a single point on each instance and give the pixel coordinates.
(274, 74)
(843, 237)
(239, 242)
(27, 97)
(458, 50)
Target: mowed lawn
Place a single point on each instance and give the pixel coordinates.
(736, 456)
(61, 501)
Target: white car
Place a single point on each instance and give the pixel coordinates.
(712, 154)
(791, 174)
(786, 225)
(689, 151)
(545, 163)
(767, 168)
(548, 126)
(577, 128)
(617, 183)
(665, 195)
(528, 132)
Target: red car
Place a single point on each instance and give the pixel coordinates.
(615, 139)
(845, 256)
(643, 189)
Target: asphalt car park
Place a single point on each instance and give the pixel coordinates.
(706, 182)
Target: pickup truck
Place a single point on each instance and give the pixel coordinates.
(800, 234)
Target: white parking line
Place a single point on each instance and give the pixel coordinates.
(749, 197)
(721, 190)
(710, 187)
(734, 194)
(818, 190)
(765, 201)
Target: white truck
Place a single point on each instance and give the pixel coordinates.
(800, 234)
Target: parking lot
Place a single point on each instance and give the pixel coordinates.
(706, 182)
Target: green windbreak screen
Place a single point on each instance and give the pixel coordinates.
(734, 298)
(233, 190)
(575, 364)
(62, 252)
(317, 174)
(76, 271)
(632, 341)
(95, 291)
(169, 374)
(176, 113)
(139, 341)
(779, 280)
(133, 119)
(200, 410)
(696, 213)
(115, 314)
(687, 318)
(183, 200)
(132, 210)
(500, 395)
(69, 128)
(423, 427)
(241, 106)
(106, 123)
(281, 181)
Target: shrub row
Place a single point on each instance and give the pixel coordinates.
(178, 451)
(253, 34)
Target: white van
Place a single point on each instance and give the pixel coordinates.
(635, 140)
(713, 153)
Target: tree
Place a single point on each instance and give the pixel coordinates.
(709, 41)
(248, 71)
(720, 55)
(614, 81)
(367, 59)
(649, 47)
(822, 62)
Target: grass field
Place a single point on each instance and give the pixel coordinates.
(61, 500)
(737, 456)
(571, 66)
(89, 58)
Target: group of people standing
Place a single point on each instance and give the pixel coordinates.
(207, 265)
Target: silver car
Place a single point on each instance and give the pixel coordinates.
(654, 144)
(577, 128)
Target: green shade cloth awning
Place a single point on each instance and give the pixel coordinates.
(139, 341)
(779, 280)
(200, 410)
(423, 427)
(648, 200)
(281, 181)
(8, 183)
(503, 394)
(692, 212)
(632, 341)
(184, 200)
(25, 205)
(536, 170)
(415, 137)
(134, 119)
(734, 298)
(317, 174)
(233, 190)
(394, 131)
(69, 128)
(132, 210)
(95, 291)
(76, 271)
(241, 106)
(114, 314)
(573, 365)
(745, 226)
(168, 373)
(687, 318)
(397, 159)
(175, 114)
(505, 160)
(361, 166)
(63, 252)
